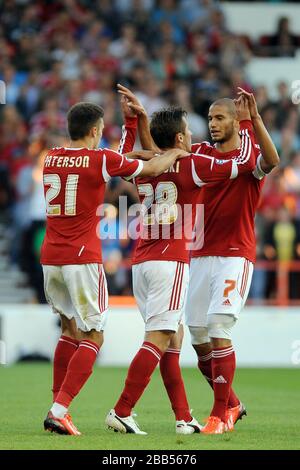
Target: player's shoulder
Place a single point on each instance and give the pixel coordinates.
(55, 150)
(204, 147)
(110, 152)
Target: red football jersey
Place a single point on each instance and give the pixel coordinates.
(229, 207)
(170, 203)
(74, 185)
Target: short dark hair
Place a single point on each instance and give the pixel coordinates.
(165, 124)
(227, 103)
(81, 118)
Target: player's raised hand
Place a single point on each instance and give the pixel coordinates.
(242, 108)
(126, 109)
(133, 102)
(251, 102)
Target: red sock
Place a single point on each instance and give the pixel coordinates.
(138, 377)
(79, 369)
(223, 367)
(233, 399)
(171, 374)
(205, 366)
(65, 349)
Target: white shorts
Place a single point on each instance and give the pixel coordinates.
(218, 284)
(78, 291)
(160, 290)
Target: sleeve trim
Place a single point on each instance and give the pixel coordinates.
(136, 172)
(234, 170)
(258, 172)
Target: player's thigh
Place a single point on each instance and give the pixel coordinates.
(57, 292)
(140, 288)
(167, 287)
(88, 291)
(231, 280)
(199, 292)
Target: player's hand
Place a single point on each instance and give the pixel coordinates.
(141, 154)
(176, 153)
(252, 105)
(242, 109)
(132, 101)
(126, 109)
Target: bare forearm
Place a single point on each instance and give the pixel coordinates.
(147, 142)
(269, 153)
(158, 165)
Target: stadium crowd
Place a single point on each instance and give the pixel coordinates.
(55, 53)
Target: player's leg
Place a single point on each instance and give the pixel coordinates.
(198, 300)
(156, 297)
(88, 291)
(59, 299)
(173, 381)
(231, 283)
(138, 376)
(223, 367)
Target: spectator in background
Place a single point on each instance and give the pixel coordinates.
(284, 41)
(53, 54)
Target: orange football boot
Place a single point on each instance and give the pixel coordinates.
(60, 425)
(214, 425)
(233, 415)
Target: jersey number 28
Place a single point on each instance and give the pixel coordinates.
(159, 204)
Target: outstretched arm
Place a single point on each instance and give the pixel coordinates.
(135, 105)
(156, 166)
(270, 158)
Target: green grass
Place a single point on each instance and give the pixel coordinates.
(271, 396)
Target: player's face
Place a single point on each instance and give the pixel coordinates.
(187, 136)
(222, 125)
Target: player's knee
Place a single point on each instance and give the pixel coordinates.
(199, 335)
(160, 338)
(177, 338)
(220, 326)
(69, 327)
(93, 335)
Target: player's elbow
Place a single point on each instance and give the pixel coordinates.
(276, 161)
(270, 163)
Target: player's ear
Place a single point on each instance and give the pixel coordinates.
(236, 125)
(179, 137)
(94, 131)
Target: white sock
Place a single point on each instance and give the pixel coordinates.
(58, 410)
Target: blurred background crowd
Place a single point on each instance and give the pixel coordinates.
(54, 53)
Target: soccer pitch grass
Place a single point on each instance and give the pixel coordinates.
(270, 395)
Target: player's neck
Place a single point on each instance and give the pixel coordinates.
(81, 143)
(229, 145)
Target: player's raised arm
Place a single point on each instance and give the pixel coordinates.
(147, 142)
(129, 133)
(129, 128)
(270, 158)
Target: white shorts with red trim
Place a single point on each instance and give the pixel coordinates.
(218, 284)
(160, 290)
(78, 291)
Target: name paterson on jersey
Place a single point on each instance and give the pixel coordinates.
(69, 162)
